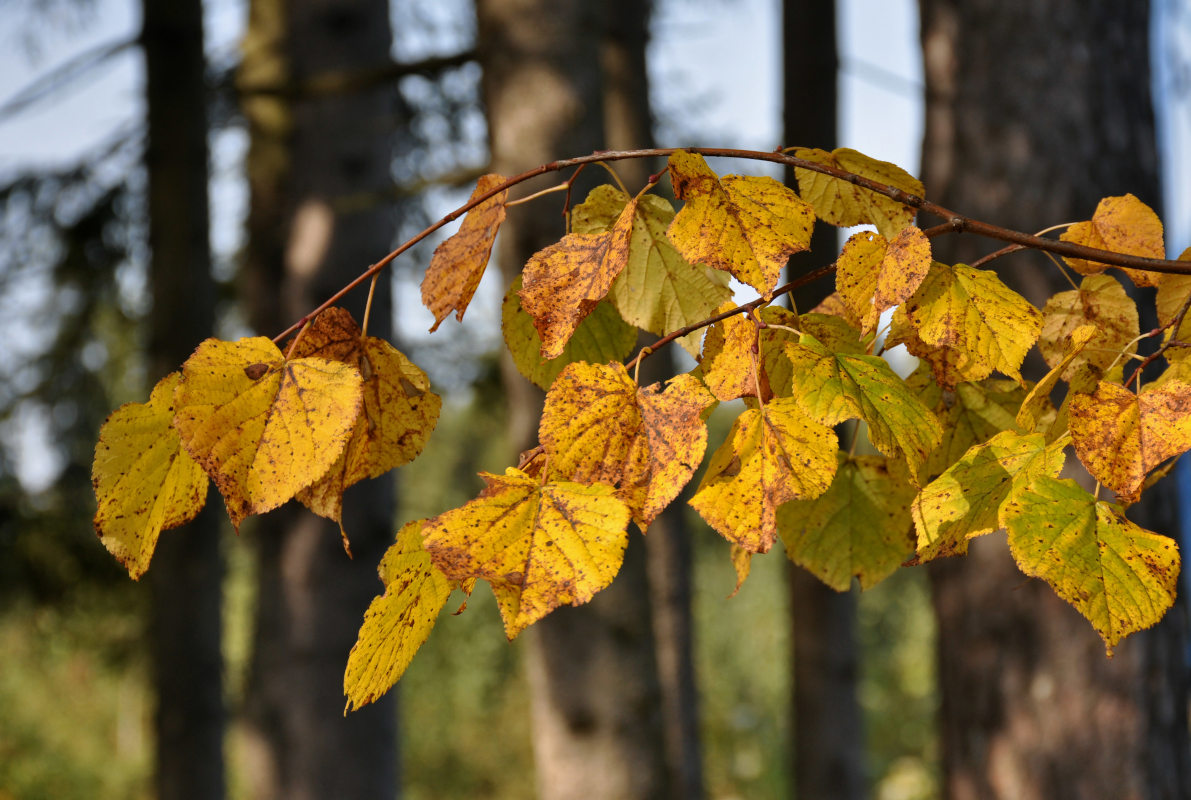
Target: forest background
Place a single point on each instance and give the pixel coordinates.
(75, 693)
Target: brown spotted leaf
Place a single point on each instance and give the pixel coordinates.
(564, 282)
(1099, 301)
(459, 262)
(873, 274)
(538, 545)
(838, 202)
(748, 226)
(1123, 225)
(1174, 292)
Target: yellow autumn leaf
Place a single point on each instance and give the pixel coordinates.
(833, 387)
(658, 291)
(746, 225)
(1123, 225)
(539, 546)
(1119, 576)
(742, 563)
(966, 500)
(1100, 301)
(1036, 407)
(564, 282)
(397, 622)
(1120, 436)
(262, 427)
(838, 202)
(729, 362)
(144, 480)
(598, 426)
(399, 412)
(601, 337)
(459, 262)
(1174, 292)
(773, 454)
(873, 274)
(835, 305)
(967, 323)
(859, 528)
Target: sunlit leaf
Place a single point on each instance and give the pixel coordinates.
(746, 225)
(1037, 407)
(772, 454)
(873, 274)
(1174, 292)
(144, 480)
(1101, 302)
(859, 528)
(397, 622)
(262, 427)
(1121, 577)
(1123, 225)
(841, 203)
(539, 546)
(459, 262)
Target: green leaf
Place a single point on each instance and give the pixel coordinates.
(859, 528)
(1121, 577)
(601, 337)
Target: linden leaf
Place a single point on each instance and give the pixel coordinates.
(262, 427)
(1036, 406)
(1099, 301)
(459, 262)
(971, 413)
(1174, 292)
(742, 563)
(539, 546)
(144, 481)
(397, 622)
(1119, 576)
(746, 225)
(965, 501)
(601, 337)
(838, 202)
(835, 305)
(874, 275)
(978, 322)
(659, 291)
(856, 271)
(729, 362)
(597, 426)
(1120, 436)
(772, 454)
(859, 528)
(564, 282)
(833, 387)
(1123, 225)
(399, 412)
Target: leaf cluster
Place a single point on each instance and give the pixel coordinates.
(963, 446)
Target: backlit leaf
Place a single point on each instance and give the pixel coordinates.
(730, 362)
(1123, 225)
(859, 528)
(1120, 436)
(841, 203)
(746, 225)
(1121, 577)
(772, 454)
(144, 480)
(978, 322)
(564, 282)
(539, 546)
(399, 412)
(742, 563)
(262, 427)
(601, 337)
(965, 501)
(1101, 302)
(659, 291)
(1036, 407)
(397, 622)
(833, 387)
(1173, 293)
(459, 262)
(874, 275)
(598, 426)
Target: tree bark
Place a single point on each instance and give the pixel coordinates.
(827, 738)
(1035, 110)
(596, 702)
(187, 573)
(307, 155)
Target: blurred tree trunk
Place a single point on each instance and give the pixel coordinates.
(1035, 110)
(596, 701)
(827, 736)
(187, 573)
(309, 153)
(668, 551)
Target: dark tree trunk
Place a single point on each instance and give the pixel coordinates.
(827, 730)
(596, 701)
(187, 573)
(309, 154)
(1036, 110)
